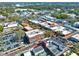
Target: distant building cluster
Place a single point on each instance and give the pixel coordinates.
(27, 37)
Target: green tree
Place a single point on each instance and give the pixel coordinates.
(14, 18)
(1, 28)
(60, 16)
(20, 34)
(76, 48)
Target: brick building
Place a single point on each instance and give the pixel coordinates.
(33, 36)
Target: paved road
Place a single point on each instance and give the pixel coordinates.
(15, 51)
(18, 50)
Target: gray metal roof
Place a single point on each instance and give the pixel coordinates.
(53, 48)
(56, 45)
(35, 50)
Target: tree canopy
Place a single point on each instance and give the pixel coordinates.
(60, 16)
(1, 28)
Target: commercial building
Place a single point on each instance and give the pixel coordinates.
(49, 18)
(72, 15)
(75, 38)
(76, 25)
(35, 35)
(28, 28)
(61, 21)
(26, 53)
(48, 24)
(10, 24)
(53, 49)
(2, 17)
(9, 41)
(39, 51)
(56, 46)
(63, 30)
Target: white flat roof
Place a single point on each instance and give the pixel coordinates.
(62, 29)
(11, 24)
(28, 53)
(28, 28)
(58, 28)
(45, 24)
(76, 36)
(33, 33)
(65, 32)
(20, 9)
(35, 21)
